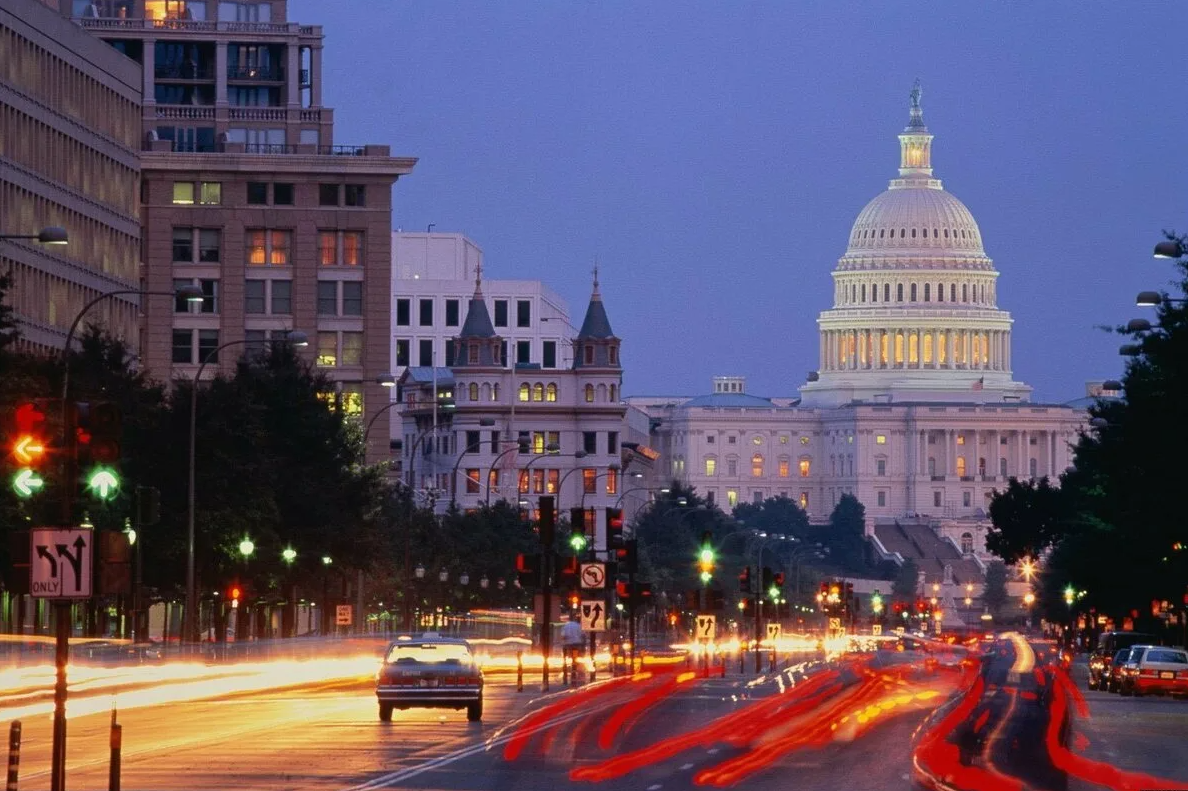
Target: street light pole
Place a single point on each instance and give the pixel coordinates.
(189, 615)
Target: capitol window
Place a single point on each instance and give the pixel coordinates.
(784, 439)
(965, 292)
(551, 392)
(473, 391)
(538, 392)
(785, 468)
(804, 440)
(899, 292)
(927, 292)
(731, 498)
(940, 292)
(711, 466)
(882, 499)
(732, 468)
(960, 466)
(880, 439)
(805, 466)
(757, 440)
(913, 292)
(804, 501)
(967, 543)
(589, 394)
(902, 233)
(960, 439)
(880, 466)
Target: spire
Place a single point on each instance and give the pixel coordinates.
(478, 280)
(915, 143)
(596, 323)
(478, 320)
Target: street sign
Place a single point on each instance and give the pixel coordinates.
(60, 563)
(773, 631)
(593, 615)
(876, 629)
(707, 627)
(343, 615)
(593, 575)
(937, 626)
(835, 624)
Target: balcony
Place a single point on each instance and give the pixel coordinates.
(967, 478)
(185, 113)
(938, 477)
(256, 114)
(183, 71)
(256, 73)
(197, 26)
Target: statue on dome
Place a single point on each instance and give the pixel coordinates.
(916, 94)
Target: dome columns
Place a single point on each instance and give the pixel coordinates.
(917, 347)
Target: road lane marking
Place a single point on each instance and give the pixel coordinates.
(686, 767)
(654, 787)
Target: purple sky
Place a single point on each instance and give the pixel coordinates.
(713, 156)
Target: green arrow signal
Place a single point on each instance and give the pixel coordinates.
(103, 483)
(26, 482)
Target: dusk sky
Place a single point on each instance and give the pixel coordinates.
(714, 155)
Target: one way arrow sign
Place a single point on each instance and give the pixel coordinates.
(593, 619)
(60, 563)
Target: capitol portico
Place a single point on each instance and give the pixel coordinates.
(913, 409)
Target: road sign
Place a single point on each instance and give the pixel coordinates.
(60, 563)
(835, 624)
(343, 615)
(593, 575)
(936, 626)
(773, 631)
(707, 627)
(593, 616)
(876, 629)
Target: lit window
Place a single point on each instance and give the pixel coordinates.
(589, 480)
(784, 440)
(612, 481)
(551, 391)
(538, 442)
(327, 248)
(553, 477)
(183, 193)
(785, 468)
(538, 392)
(352, 248)
(757, 440)
(352, 348)
(524, 389)
(804, 440)
(589, 394)
(472, 481)
(731, 498)
(538, 481)
(961, 466)
(210, 193)
(327, 347)
(805, 466)
(913, 349)
(880, 439)
(960, 439)
(352, 400)
(804, 500)
(711, 467)
(757, 465)
(523, 487)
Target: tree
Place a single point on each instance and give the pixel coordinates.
(905, 586)
(773, 515)
(994, 592)
(670, 532)
(9, 331)
(1028, 517)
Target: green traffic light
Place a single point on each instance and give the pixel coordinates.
(103, 483)
(707, 556)
(774, 592)
(26, 483)
(706, 576)
(577, 541)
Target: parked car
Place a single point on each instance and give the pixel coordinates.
(1109, 644)
(1113, 679)
(1153, 669)
(429, 672)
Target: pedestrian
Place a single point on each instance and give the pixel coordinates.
(572, 639)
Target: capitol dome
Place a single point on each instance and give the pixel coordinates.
(915, 307)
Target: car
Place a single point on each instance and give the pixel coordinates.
(1153, 669)
(429, 672)
(1112, 680)
(1109, 644)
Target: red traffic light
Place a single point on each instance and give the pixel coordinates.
(235, 592)
(30, 418)
(778, 579)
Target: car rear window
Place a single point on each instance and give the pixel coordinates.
(1164, 655)
(1120, 657)
(429, 652)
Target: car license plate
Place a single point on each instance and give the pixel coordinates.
(1167, 674)
(428, 682)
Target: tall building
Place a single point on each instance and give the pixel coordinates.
(490, 431)
(914, 409)
(69, 137)
(246, 194)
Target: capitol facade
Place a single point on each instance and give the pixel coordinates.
(913, 409)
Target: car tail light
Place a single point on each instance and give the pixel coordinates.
(1147, 673)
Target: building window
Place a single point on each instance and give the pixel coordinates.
(472, 481)
(183, 347)
(612, 481)
(327, 298)
(711, 466)
(352, 348)
(961, 466)
(451, 317)
(208, 245)
(932, 466)
(501, 313)
(913, 292)
(352, 248)
(965, 499)
(327, 349)
(612, 442)
(804, 501)
(899, 292)
(525, 391)
(880, 466)
(183, 193)
(731, 498)
(709, 439)
(967, 543)
(981, 465)
(588, 351)
(805, 467)
(960, 439)
(612, 354)
(208, 344)
(354, 195)
(183, 245)
(590, 442)
(327, 194)
(757, 466)
(268, 248)
(589, 394)
(882, 499)
(352, 298)
(1031, 467)
(732, 468)
(1002, 468)
(784, 468)
(327, 248)
(282, 194)
(936, 499)
(210, 193)
(402, 353)
(257, 193)
(551, 392)
(281, 294)
(254, 296)
(927, 292)
(538, 392)
(425, 312)
(880, 439)
(549, 354)
(804, 440)
(523, 313)
(523, 351)
(403, 313)
(589, 480)
(425, 352)
(472, 394)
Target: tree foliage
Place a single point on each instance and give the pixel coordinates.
(670, 532)
(994, 592)
(904, 586)
(1028, 517)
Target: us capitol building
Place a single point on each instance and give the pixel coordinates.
(914, 409)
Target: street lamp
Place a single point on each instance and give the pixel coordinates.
(288, 554)
(51, 234)
(1170, 248)
(443, 576)
(419, 572)
(246, 548)
(484, 582)
(327, 560)
(464, 579)
(1151, 299)
(189, 616)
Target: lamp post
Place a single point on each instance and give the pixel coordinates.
(611, 469)
(552, 449)
(383, 380)
(419, 573)
(52, 235)
(190, 619)
(471, 448)
(443, 577)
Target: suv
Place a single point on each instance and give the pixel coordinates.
(1109, 644)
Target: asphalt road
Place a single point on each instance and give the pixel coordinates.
(859, 724)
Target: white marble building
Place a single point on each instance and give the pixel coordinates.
(914, 408)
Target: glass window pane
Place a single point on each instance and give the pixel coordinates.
(183, 245)
(181, 304)
(327, 248)
(256, 251)
(183, 192)
(352, 348)
(352, 299)
(352, 248)
(183, 342)
(210, 296)
(282, 297)
(403, 312)
(282, 194)
(355, 195)
(257, 193)
(208, 245)
(327, 298)
(327, 349)
(352, 399)
(253, 296)
(328, 194)
(208, 343)
(280, 248)
(211, 193)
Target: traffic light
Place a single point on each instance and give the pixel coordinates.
(876, 603)
(639, 593)
(744, 580)
(567, 572)
(777, 585)
(235, 594)
(528, 570)
(614, 528)
(29, 448)
(578, 538)
(577, 541)
(574, 601)
(706, 557)
(628, 555)
(548, 522)
(767, 579)
(97, 433)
